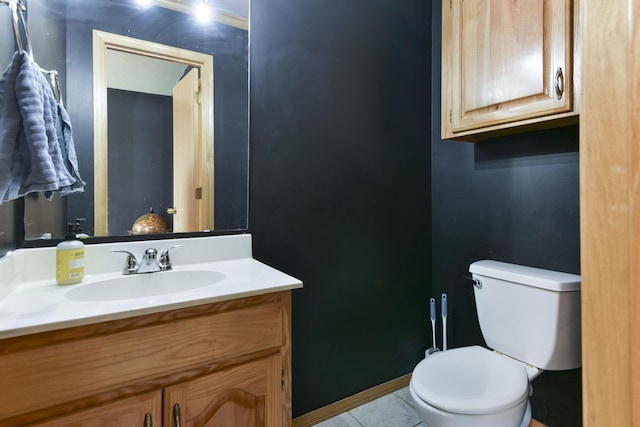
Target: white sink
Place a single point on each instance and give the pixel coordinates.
(144, 285)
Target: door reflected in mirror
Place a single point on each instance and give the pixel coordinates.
(153, 112)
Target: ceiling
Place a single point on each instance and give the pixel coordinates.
(138, 73)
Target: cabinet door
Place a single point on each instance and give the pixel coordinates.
(505, 60)
(247, 395)
(138, 411)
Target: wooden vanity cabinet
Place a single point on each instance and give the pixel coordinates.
(508, 66)
(222, 364)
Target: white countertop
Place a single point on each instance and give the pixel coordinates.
(31, 302)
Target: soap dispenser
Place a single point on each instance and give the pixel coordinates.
(80, 234)
(70, 259)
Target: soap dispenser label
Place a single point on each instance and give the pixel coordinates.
(70, 266)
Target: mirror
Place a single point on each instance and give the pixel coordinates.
(123, 181)
(170, 126)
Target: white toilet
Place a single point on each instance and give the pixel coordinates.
(530, 319)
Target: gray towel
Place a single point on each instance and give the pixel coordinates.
(68, 150)
(28, 140)
(44, 165)
(10, 126)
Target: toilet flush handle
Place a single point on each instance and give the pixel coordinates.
(477, 283)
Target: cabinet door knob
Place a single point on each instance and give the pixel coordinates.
(559, 83)
(176, 415)
(148, 421)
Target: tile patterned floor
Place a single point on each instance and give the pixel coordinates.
(392, 410)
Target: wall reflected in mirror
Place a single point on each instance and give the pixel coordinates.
(63, 40)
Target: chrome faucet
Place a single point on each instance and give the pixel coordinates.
(131, 263)
(150, 261)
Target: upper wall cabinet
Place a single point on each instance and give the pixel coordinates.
(508, 66)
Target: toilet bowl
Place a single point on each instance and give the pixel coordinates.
(530, 320)
(471, 386)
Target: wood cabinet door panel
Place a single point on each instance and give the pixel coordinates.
(505, 60)
(237, 396)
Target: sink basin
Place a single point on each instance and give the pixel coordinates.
(144, 285)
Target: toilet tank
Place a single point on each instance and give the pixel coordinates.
(530, 314)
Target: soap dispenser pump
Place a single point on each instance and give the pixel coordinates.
(70, 259)
(79, 232)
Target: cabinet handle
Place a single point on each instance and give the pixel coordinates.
(148, 421)
(559, 83)
(176, 414)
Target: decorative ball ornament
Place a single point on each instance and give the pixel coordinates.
(150, 223)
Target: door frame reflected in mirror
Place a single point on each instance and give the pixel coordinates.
(204, 164)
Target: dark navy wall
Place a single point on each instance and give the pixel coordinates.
(339, 193)
(513, 199)
(140, 127)
(335, 118)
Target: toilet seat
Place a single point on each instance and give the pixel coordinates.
(470, 380)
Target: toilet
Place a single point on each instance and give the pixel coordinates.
(530, 320)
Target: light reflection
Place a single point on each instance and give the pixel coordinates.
(202, 11)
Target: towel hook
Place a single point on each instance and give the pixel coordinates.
(20, 4)
(54, 81)
(18, 10)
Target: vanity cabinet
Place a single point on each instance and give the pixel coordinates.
(508, 66)
(224, 364)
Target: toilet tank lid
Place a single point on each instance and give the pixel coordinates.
(546, 279)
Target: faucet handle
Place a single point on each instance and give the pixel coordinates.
(150, 254)
(131, 264)
(165, 262)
